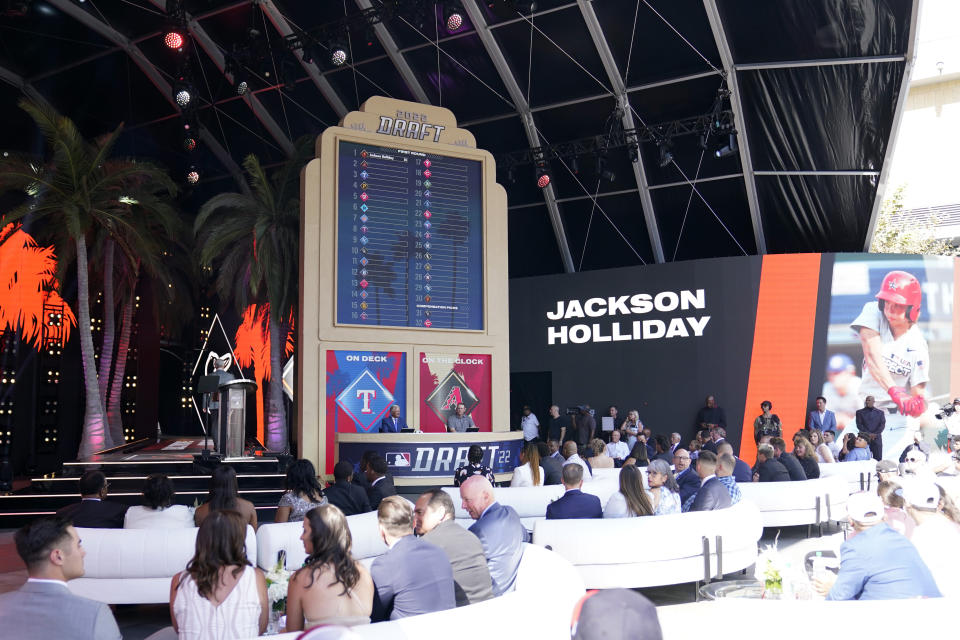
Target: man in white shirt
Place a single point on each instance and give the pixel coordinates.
(530, 425)
(45, 607)
(572, 457)
(616, 448)
(935, 536)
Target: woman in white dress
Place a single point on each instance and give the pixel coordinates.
(820, 448)
(158, 510)
(529, 473)
(631, 500)
(219, 596)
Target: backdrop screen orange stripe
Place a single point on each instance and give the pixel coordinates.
(782, 343)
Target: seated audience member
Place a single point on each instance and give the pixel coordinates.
(44, 607)
(615, 614)
(574, 503)
(224, 496)
(350, 498)
(631, 428)
(474, 467)
(893, 507)
(717, 435)
(332, 587)
(648, 441)
(888, 470)
(741, 470)
(220, 596)
(433, 520)
(712, 493)
(662, 448)
(158, 510)
(617, 448)
(805, 454)
(674, 442)
(694, 448)
(948, 507)
(599, 459)
(529, 473)
(788, 460)
(878, 563)
(769, 468)
(860, 450)
(552, 467)
(631, 500)
(500, 531)
(830, 439)
(935, 536)
(686, 475)
(381, 485)
(572, 457)
(303, 492)
(94, 511)
(664, 493)
(725, 465)
(553, 446)
(846, 446)
(638, 455)
(413, 576)
(824, 454)
(360, 475)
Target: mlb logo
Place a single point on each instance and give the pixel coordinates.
(398, 459)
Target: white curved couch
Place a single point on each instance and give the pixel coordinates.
(784, 504)
(656, 550)
(545, 582)
(860, 475)
(134, 566)
(530, 503)
(285, 536)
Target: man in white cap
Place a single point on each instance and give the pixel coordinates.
(878, 563)
(935, 535)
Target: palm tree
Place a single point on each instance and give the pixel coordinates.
(253, 242)
(27, 283)
(78, 189)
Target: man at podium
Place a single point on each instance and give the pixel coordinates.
(393, 423)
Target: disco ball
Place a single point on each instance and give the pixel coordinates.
(543, 180)
(173, 40)
(338, 57)
(193, 177)
(189, 144)
(242, 88)
(183, 97)
(454, 21)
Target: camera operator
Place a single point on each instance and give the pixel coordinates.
(950, 414)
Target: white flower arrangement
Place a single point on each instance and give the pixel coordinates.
(769, 570)
(278, 579)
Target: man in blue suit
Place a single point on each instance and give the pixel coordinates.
(500, 531)
(393, 423)
(574, 503)
(686, 476)
(822, 419)
(878, 563)
(413, 576)
(741, 470)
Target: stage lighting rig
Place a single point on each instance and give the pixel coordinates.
(174, 39)
(452, 16)
(189, 143)
(543, 176)
(338, 53)
(193, 176)
(665, 154)
(728, 149)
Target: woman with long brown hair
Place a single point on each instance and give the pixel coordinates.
(529, 473)
(225, 496)
(220, 596)
(807, 456)
(332, 587)
(631, 500)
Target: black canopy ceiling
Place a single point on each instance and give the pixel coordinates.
(816, 88)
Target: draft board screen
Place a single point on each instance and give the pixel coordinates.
(409, 239)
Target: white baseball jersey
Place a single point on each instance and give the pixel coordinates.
(907, 358)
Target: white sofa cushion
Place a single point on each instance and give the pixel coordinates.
(134, 566)
(794, 503)
(272, 538)
(675, 557)
(860, 475)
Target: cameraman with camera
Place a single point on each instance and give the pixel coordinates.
(950, 414)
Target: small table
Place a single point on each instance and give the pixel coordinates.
(750, 589)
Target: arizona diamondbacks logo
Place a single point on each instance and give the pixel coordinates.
(451, 391)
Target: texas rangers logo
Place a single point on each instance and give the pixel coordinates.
(365, 400)
(451, 391)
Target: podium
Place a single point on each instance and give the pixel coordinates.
(232, 417)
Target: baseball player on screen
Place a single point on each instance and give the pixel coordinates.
(896, 359)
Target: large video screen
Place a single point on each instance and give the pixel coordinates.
(409, 239)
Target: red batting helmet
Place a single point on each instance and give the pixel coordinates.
(901, 287)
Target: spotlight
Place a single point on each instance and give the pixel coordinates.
(189, 144)
(602, 169)
(183, 97)
(543, 176)
(174, 40)
(242, 88)
(193, 177)
(453, 17)
(338, 54)
(666, 156)
(729, 149)
(634, 151)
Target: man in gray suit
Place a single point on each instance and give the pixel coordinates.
(433, 520)
(413, 576)
(44, 607)
(712, 493)
(499, 529)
